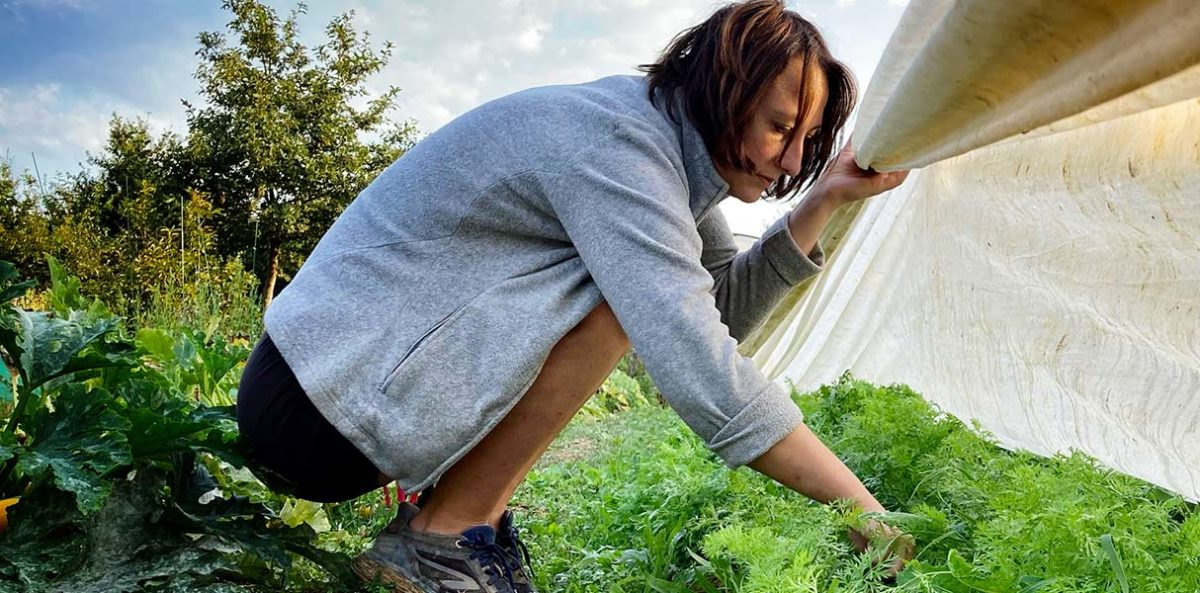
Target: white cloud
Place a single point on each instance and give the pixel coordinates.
(17, 11)
(43, 121)
(451, 56)
(450, 59)
(531, 39)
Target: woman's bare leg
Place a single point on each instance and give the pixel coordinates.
(476, 489)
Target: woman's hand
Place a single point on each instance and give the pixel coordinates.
(803, 463)
(843, 182)
(886, 543)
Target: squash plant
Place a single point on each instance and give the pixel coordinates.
(57, 429)
(109, 441)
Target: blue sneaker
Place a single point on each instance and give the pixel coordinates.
(414, 562)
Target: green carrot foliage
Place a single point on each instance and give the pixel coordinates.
(650, 505)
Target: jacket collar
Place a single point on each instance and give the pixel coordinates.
(706, 187)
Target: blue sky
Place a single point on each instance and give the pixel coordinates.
(67, 65)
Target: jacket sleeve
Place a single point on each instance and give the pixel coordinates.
(624, 205)
(748, 285)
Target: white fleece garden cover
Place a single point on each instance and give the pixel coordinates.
(1040, 273)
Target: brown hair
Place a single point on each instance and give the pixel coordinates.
(722, 68)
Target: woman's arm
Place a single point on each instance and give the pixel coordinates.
(841, 184)
(803, 463)
(747, 285)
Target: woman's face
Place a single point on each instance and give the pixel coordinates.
(772, 125)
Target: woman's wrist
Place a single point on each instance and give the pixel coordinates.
(870, 505)
(825, 198)
(807, 220)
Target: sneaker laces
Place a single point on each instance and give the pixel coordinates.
(485, 550)
(509, 532)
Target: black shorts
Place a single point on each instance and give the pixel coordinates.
(292, 448)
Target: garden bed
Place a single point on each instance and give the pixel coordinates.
(651, 510)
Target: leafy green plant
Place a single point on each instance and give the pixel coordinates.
(109, 442)
(124, 451)
(204, 367)
(650, 509)
(218, 301)
(75, 439)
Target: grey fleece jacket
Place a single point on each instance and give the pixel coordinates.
(428, 308)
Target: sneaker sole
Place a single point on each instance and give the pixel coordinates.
(368, 571)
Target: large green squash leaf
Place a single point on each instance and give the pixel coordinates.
(157, 433)
(124, 547)
(49, 343)
(80, 442)
(159, 344)
(43, 543)
(162, 423)
(198, 366)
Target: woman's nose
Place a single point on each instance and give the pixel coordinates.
(792, 158)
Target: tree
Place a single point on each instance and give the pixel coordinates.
(36, 220)
(279, 144)
(24, 228)
(141, 182)
(103, 223)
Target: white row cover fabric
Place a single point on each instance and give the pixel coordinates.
(961, 74)
(1048, 285)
